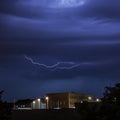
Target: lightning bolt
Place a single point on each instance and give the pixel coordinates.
(54, 66)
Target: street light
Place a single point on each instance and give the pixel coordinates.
(47, 102)
(97, 100)
(89, 98)
(38, 103)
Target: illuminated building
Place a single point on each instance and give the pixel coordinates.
(55, 101)
(67, 100)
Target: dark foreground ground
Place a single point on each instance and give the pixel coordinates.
(104, 113)
(62, 114)
(84, 111)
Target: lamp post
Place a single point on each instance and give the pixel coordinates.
(33, 104)
(38, 103)
(14, 107)
(47, 102)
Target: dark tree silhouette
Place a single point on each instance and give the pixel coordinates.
(112, 94)
(5, 108)
(1, 92)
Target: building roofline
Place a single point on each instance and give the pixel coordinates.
(67, 93)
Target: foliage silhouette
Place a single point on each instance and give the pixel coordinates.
(112, 94)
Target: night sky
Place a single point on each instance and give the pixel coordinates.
(58, 46)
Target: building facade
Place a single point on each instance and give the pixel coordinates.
(66, 100)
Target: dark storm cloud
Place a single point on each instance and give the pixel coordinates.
(77, 49)
(102, 9)
(98, 9)
(14, 8)
(19, 17)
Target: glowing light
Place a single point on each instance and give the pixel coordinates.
(98, 100)
(89, 98)
(38, 103)
(46, 98)
(38, 99)
(33, 102)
